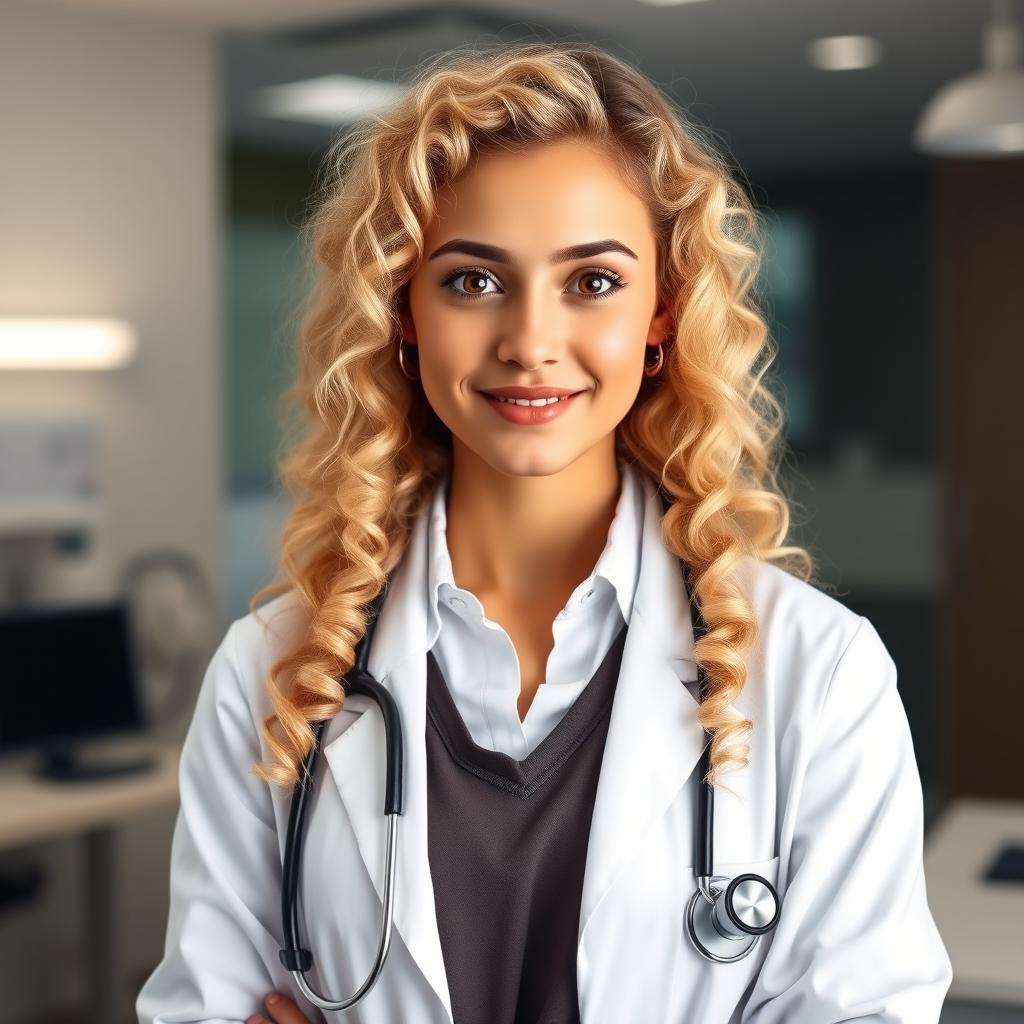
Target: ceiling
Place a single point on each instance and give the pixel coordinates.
(738, 66)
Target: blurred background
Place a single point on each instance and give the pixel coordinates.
(156, 161)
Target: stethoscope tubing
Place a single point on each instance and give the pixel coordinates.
(296, 959)
(715, 932)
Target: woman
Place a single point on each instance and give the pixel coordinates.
(539, 218)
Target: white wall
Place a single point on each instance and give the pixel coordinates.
(109, 204)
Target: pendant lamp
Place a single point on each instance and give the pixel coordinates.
(981, 115)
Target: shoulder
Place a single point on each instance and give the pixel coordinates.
(803, 636)
(275, 625)
(787, 605)
(261, 637)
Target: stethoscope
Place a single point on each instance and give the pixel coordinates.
(724, 918)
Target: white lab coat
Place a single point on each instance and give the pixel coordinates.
(829, 810)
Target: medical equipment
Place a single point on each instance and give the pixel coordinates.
(724, 917)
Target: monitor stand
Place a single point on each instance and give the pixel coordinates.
(61, 765)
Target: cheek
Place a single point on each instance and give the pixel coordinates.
(449, 354)
(445, 337)
(615, 355)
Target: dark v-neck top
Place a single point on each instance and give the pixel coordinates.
(507, 843)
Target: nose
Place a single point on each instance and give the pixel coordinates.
(532, 334)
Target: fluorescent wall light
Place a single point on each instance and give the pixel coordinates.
(981, 114)
(330, 99)
(64, 343)
(844, 53)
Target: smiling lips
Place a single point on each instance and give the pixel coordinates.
(526, 406)
(531, 393)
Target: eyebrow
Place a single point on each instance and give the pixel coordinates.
(492, 252)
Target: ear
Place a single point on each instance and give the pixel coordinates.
(405, 317)
(408, 330)
(661, 324)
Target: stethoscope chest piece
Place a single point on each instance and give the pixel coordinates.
(728, 928)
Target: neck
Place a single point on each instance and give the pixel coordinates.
(529, 539)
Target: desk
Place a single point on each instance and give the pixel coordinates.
(34, 809)
(981, 923)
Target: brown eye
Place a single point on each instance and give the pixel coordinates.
(474, 283)
(592, 283)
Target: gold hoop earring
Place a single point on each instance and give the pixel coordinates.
(401, 359)
(652, 369)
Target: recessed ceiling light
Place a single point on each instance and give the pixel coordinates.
(329, 99)
(844, 53)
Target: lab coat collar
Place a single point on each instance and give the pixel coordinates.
(652, 747)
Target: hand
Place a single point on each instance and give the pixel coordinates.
(281, 1009)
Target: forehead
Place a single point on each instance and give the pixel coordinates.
(569, 191)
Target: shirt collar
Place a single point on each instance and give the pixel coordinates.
(618, 565)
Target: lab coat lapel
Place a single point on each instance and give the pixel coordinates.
(356, 758)
(654, 740)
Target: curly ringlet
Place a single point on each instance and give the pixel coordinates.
(363, 453)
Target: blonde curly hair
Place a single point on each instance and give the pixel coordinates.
(369, 450)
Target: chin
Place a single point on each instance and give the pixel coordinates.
(534, 459)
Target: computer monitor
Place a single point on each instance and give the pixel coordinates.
(67, 675)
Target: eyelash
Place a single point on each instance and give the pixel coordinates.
(609, 275)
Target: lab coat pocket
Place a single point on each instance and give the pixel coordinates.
(637, 959)
(703, 989)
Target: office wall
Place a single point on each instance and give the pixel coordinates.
(109, 203)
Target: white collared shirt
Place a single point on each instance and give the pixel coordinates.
(476, 654)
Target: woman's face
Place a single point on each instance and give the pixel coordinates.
(501, 299)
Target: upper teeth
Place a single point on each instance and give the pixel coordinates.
(535, 401)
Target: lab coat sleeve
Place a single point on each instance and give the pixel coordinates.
(856, 939)
(221, 948)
